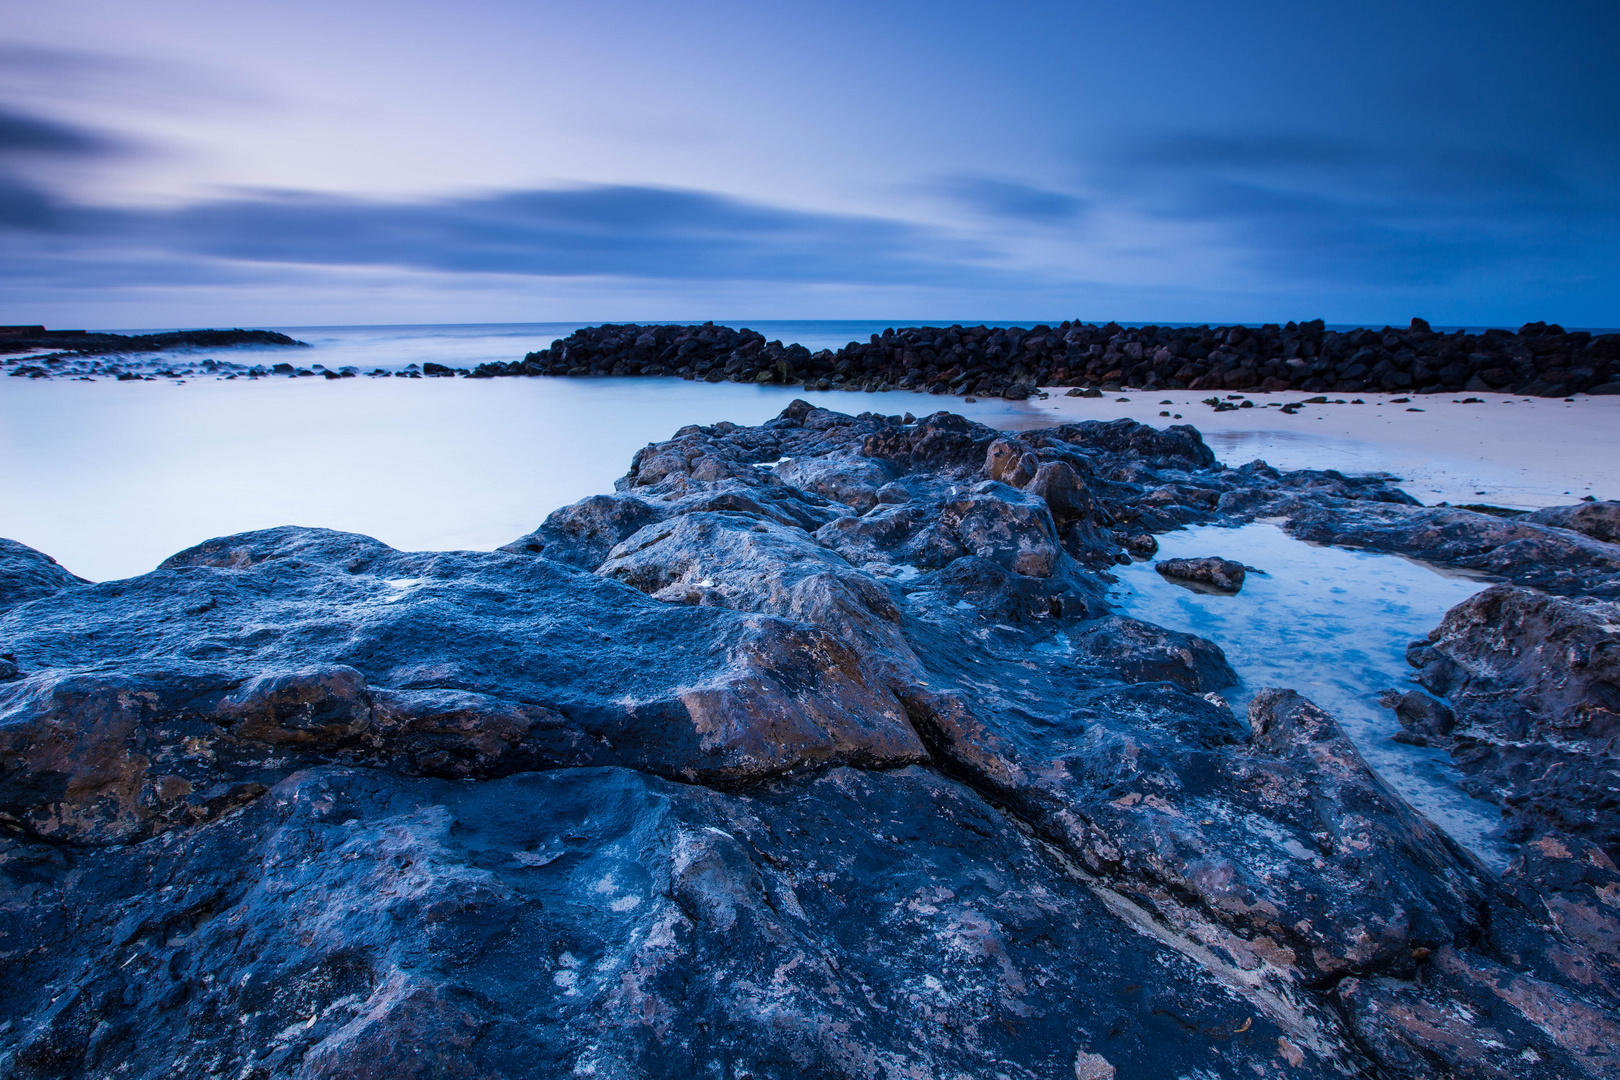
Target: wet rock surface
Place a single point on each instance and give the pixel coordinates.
(26, 574)
(813, 749)
(1215, 574)
(1599, 520)
(1535, 684)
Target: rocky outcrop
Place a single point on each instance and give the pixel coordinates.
(71, 353)
(985, 361)
(1538, 359)
(26, 574)
(1520, 550)
(813, 749)
(1599, 520)
(1534, 681)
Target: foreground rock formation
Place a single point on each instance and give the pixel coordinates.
(1010, 362)
(814, 749)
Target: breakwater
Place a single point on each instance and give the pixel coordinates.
(1539, 359)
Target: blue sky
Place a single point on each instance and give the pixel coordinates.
(181, 162)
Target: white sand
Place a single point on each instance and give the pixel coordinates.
(1507, 451)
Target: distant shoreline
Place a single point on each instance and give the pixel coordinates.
(1010, 362)
(35, 352)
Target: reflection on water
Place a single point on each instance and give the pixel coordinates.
(1288, 450)
(1333, 625)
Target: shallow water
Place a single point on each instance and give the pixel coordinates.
(1333, 625)
(111, 478)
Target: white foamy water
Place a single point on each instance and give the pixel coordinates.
(1333, 625)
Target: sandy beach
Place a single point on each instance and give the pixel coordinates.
(1505, 451)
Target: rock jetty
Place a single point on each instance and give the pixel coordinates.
(813, 749)
(1011, 362)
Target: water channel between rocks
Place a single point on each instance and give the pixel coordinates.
(1332, 624)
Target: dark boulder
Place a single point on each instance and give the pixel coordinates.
(1424, 720)
(1215, 574)
(582, 534)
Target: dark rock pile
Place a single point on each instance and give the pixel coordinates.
(813, 749)
(1011, 362)
(71, 353)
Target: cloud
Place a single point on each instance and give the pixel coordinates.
(1343, 212)
(24, 140)
(603, 231)
(22, 134)
(626, 231)
(1012, 200)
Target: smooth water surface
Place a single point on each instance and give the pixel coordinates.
(1333, 625)
(111, 478)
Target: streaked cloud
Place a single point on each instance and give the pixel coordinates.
(1342, 212)
(1012, 200)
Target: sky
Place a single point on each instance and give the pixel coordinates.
(297, 163)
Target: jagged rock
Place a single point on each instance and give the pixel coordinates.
(1523, 551)
(1056, 483)
(582, 534)
(599, 920)
(1424, 721)
(1141, 652)
(1000, 523)
(728, 695)
(1219, 575)
(853, 482)
(1535, 683)
(26, 574)
(735, 776)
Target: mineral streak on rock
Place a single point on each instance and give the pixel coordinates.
(1010, 362)
(813, 749)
